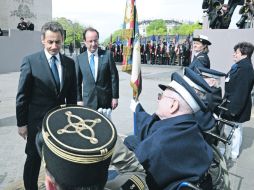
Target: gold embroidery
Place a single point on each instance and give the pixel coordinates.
(80, 126)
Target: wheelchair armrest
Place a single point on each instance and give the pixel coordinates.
(189, 185)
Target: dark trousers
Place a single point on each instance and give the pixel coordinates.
(33, 162)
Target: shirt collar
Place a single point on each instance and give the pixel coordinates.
(95, 53)
(48, 56)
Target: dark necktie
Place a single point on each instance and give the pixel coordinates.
(55, 72)
(92, 67)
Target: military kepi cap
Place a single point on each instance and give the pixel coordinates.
(185, 91)
(203, 39)
(196, 81)
(210, 72)
(78, 145)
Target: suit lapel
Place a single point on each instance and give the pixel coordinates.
(100, 62)
(64, 70)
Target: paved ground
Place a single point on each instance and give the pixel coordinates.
(12, 154)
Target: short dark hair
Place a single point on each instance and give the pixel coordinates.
(22, 18)
(245, 48)
(52, 26)
(91, 29)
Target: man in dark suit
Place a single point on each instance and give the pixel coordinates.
(22, 25)
(97, 70)
(47, 79)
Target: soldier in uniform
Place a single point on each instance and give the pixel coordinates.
(152, 53)
(77, 159)
(200, 48)
(169, 137)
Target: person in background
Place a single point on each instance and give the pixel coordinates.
(1, 32)
(200, 48)
(47, 79)
(30, 26)
(96, 69)
(22, 25)
(238, 86)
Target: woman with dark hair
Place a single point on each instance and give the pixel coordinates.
(200, 48)
(238, 87)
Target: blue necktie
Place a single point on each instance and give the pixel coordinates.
(55, 72)
(92, 67)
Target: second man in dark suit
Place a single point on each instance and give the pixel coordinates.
(96, 69)
(47, 79)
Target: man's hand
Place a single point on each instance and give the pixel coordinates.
(23, 131)
(114, 103)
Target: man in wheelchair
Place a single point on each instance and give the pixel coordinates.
(169, 143)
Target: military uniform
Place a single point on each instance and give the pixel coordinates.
(72, 141)
(165, 146)
(172, 150)
(200, 60)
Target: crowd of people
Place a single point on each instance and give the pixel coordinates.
(160, 53)
(78, 142)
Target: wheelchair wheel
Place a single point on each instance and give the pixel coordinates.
(219, 172)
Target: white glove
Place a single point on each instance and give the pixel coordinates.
(105, 112)
(133, 105)
(100, 110)
(109, 111)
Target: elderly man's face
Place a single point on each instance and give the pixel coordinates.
(165, 102)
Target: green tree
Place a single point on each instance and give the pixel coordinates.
(156, 27)
(185, 29)
(114, 36)
(73, 29)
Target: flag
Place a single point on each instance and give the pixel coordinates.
(136, 80)
(128, 35)
(132, 56)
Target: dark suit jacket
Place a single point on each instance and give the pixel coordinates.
(37, 92)
(238, 91)
(99, 93)
(201, 60)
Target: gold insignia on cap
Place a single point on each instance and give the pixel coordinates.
(80, 126)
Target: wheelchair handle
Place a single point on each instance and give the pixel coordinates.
(229, 123)
(217, 137)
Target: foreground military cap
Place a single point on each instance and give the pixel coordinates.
(210, 72)
(78, 145)
(203, 39)
(186, 91)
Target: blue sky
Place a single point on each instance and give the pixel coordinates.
(107, 15)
